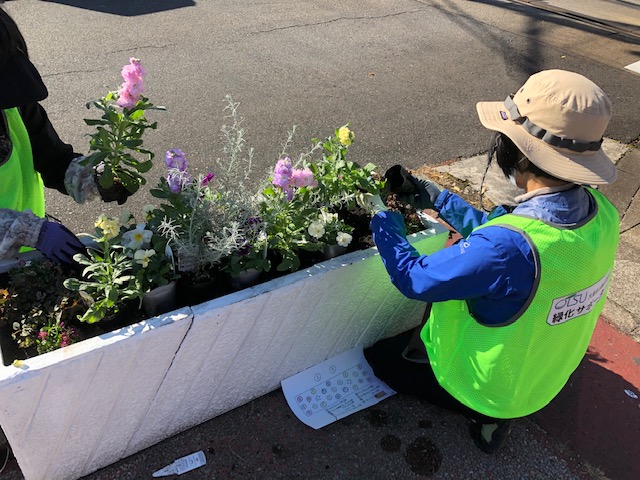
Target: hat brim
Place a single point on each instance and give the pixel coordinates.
(587, 168)
(20, 83)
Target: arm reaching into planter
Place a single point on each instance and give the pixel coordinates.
(53, 240)
(513, 305)
(32, 156)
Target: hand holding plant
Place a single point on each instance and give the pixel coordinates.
(341, 181)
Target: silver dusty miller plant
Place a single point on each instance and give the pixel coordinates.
(208, 218)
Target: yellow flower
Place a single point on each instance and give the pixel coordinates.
(110, 226)
(345, 136)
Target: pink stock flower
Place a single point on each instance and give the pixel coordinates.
(125, 99)
(286, 177)
(303, 178)
(133, 72)
(132, 88)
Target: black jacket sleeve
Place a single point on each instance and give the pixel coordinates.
(51, 156)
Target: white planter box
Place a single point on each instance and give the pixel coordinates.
(75, 410)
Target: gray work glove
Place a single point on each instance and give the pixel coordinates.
(79, 181)
(371, 203)
(424, 194)
(82, 184)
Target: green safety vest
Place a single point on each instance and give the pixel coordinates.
(21, 187)
(514, 369)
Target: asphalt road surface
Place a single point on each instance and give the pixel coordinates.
(405, 74)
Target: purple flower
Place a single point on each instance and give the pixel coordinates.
(245, 249)
(282, 173)
(175, 158)
(207, 178)
(176, 181)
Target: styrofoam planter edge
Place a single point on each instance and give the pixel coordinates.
(70, 412)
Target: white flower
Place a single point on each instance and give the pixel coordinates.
(328, 218)
(147, 211)
(343, 239)
(136, 238)
(125, 216)
(316, 229)
(142, 256)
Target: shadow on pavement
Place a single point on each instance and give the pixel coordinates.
(127, 8)
(576, 21)
(596, 417)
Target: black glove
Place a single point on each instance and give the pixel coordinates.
(418, 192)
(57, 243)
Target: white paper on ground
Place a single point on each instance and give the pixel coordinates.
(334, 389)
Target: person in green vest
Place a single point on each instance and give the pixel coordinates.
(33, 156)
(513, 305)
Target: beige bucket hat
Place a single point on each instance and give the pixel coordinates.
(557, 119)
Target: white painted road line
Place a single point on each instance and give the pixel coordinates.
(634, 67)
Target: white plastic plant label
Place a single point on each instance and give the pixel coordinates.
(183, 465)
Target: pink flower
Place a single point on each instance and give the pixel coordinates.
(132, 88)
(207, 178)
(125, 99)
(42, 335)
(303, 178)
(133, 72)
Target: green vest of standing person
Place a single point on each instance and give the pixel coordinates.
(32, 156)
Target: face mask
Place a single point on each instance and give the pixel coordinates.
(512, 175)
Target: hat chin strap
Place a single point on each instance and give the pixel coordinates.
(546, 136)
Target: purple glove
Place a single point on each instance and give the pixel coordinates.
(57, 243)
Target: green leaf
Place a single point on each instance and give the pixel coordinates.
(144, 167)
(137, 114)
(106, 177)
(72, 284)
(132, 144)
(91, 122)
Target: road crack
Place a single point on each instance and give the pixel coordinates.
(339, 19)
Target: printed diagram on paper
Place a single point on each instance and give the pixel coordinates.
(334, 389)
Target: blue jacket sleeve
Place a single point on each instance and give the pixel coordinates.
(489, 268)
(461, 215)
